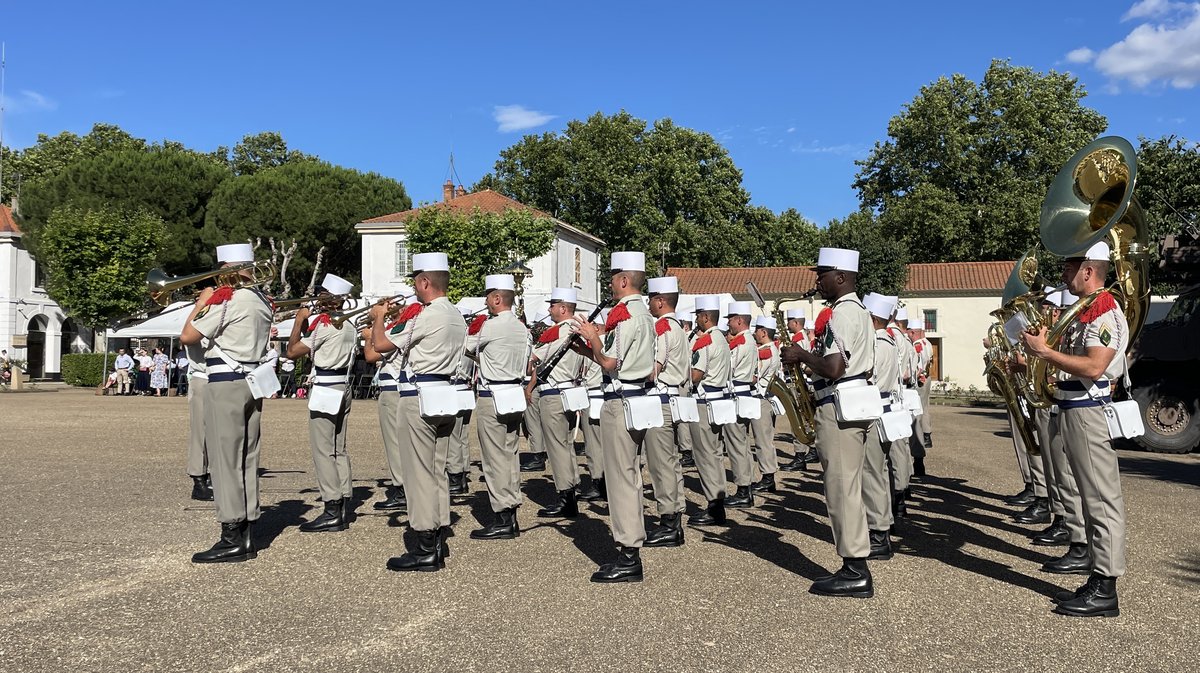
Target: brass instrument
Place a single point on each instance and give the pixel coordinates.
(1092, 199)
(799, 404)
(287, 309)
(163, 289)
(998, 355)
(1022, 301)
(359, 315)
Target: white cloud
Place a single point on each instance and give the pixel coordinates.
(517, 118)
(1167, 51)
(815, 147)
(1080, 55)
(29, 101)
(1149, 9)
(791, 129)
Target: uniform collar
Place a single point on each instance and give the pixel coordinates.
(632, 297)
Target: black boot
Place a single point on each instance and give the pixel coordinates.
(797, 464)
(928, 440)
(200, 489)
(686, 459)
(1077, 561)
(580, 449)
(332, 519)
(767, 484)
(1023, 499)
(235, 545)
(899, 506)
(881, 546)
(458, 483)
(1038, 512)
(712, 515)
(854, 580)
(668, 533)
(627, 568)
(1056, 535)
(566, 507)
(536, 463)
(395, 500)
(741, 499)
(1097, 598)
(503, 528)
(429, 556)
(918, 467)
(596, 490)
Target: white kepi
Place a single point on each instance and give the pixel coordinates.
(336, 284)
(738, 308)
(567, 295)
(429, 261)
(235, 253)
(881, 306)
(629, 260)
(499, 281)
(838, 259)
(708, 302)
(793, 313)
(765, 321)
(663, 285)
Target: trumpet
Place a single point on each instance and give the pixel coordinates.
(288, 308)
(359, 315)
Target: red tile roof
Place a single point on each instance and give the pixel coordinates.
(8, 225)
(940, 278)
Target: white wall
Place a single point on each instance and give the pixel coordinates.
(21, 301)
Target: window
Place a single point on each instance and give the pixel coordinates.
(39, 276)
(930, 319)
(403, 259)
(578, 266)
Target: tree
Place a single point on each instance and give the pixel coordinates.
(51, 155)
(479, 243)
(259, 152)
(96, 259)
(634, 187)
(173, 183)
(787, 239)
(967, 165)
(1169, 190)
(312, 203)
(882, 262)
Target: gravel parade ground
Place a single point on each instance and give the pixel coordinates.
(96, 573)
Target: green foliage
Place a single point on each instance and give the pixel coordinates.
(51, 155)
(1169, 190)
(172, 183)
(883, 261)
(967, 165)
(261, 151)
(96, 259)
(85, 369)
(479, 243)
(312, 202)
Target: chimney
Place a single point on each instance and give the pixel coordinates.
(462, 191)
(447, 191)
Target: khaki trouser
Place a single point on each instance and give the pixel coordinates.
(459, 460)
(876, 489)
(327, 436)
(1066, 488)
(556, 442)
(389, 427)
(737, 444)
(842, 448)
(622, 475)
(197, 460)
(706, 451)
(901, 464)
(1031, 467)
(1094, 464)
(925, 419)
(593, 447)
(424, 447)
(662, 459)
(499, 444)
(123, 381)
(763, 430)
(533, 423)
(231, 431)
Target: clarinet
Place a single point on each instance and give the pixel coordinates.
(544, 371)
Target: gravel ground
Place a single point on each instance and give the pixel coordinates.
(96, 576)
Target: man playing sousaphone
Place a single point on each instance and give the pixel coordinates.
(236, 324)
(332, 349)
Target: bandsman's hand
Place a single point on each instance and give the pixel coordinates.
(790, 355)
(274, 332)
(587, 330)
(205, 295)
(302, 315)
(1035, 343)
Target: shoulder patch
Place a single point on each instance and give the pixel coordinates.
(1105, 335)
(203, 312)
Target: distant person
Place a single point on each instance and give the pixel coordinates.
(123, 364)
(287, 377)
(181, 373)
(160, 366)
(144, 363)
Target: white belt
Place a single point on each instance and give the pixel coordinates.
(554, 386)
(616, 386)
(666, 390)
(203, 376)
(223, 369)
(329, 378)
(829, 390)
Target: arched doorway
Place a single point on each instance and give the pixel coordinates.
(72, 341)
(35, 347)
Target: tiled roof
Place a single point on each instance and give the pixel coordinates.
(947, 277)
(7, 224)
(487, 201)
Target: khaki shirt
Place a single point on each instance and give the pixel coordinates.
(743, 358)
(768, 367)
(925, 356)
(195, 358)
(502, 348)
(909, 362)
(851, 326)
(567, 369)
(631, 342)
(433, 341)
(241, 326)
(887, 362)
(593, 374)
(1109, 330)
(712, 359)
(671, 352)
(331, 348)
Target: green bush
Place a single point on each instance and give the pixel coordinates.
(85, 369)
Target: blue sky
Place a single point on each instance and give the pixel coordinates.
(795, 91)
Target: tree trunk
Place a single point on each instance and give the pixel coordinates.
(312, 282)
(285, 284)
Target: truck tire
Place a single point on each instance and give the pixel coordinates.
(1172, 419)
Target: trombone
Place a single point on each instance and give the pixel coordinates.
(163, 289)
(288, 308)
(359, 315)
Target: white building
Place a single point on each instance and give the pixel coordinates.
(573, 259)
(32, 327)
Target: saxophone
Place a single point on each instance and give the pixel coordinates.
(798, 402)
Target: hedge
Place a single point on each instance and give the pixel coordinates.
(85, 369)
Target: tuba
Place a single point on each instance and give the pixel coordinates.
(1092, 200)
(797, 399)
